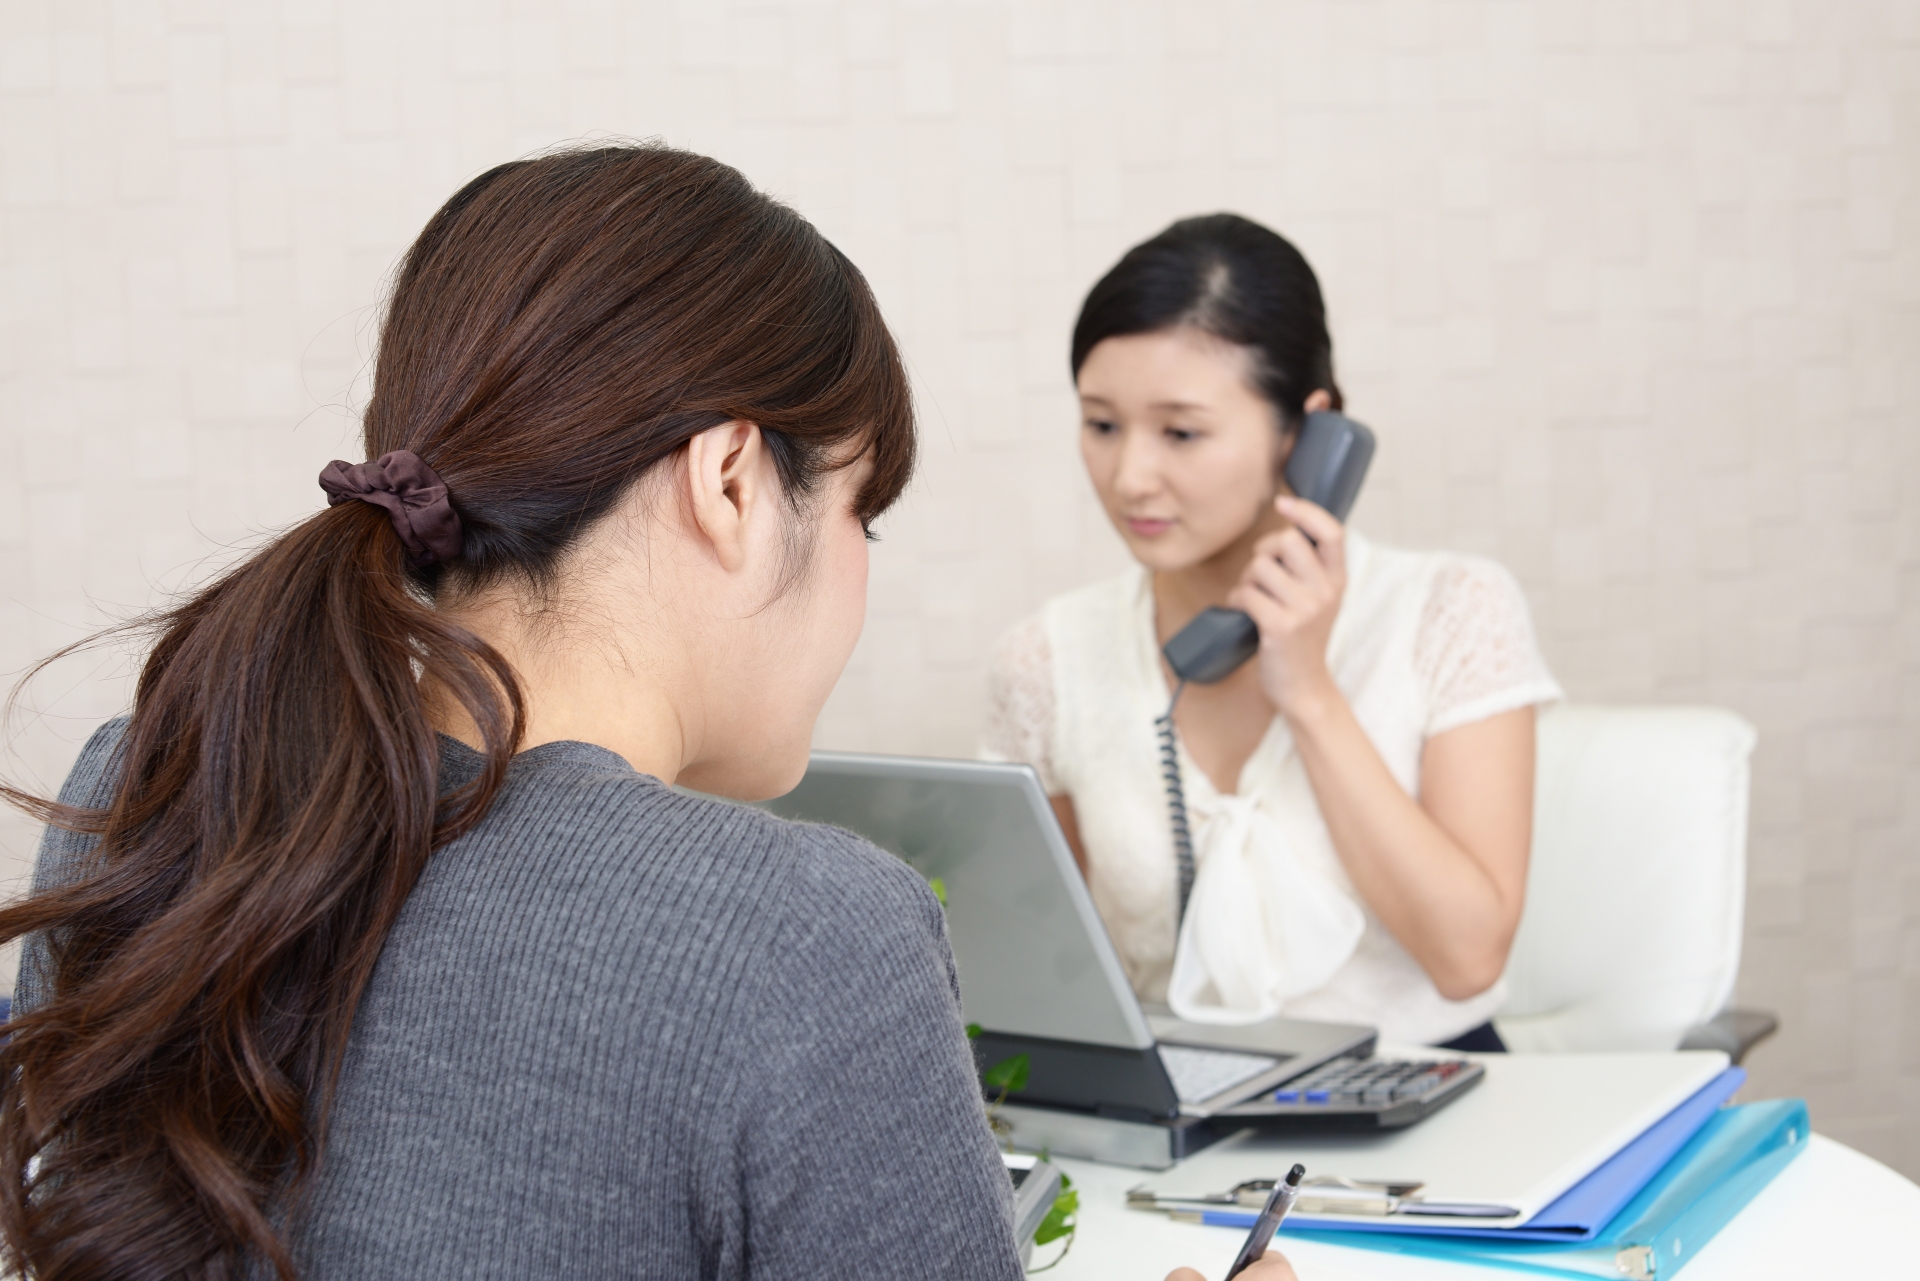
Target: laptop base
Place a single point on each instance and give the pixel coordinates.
(1144, 1144)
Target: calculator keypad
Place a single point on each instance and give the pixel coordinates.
(1370, 1082)
(1361, 1093)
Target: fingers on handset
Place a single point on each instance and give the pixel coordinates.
(1291, 548)
(1270, 578)
(1268, 613)
(1303, 560)
(1316, 520)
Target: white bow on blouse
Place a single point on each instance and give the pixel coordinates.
(1251, 884)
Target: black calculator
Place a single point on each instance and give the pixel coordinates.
(1362, 1093)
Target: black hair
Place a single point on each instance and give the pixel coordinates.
(1232, 278)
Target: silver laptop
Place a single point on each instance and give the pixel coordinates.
(1037, 971)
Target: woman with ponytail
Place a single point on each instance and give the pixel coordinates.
(375, 942)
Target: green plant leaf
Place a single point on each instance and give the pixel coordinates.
(973, 1031)
(939, 888)
(1009, 1075)
(1059, 1221)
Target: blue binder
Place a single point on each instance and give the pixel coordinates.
(1735, 1154)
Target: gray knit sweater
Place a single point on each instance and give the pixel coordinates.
(619, 1031)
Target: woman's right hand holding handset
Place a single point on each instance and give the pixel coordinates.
(1292, 588)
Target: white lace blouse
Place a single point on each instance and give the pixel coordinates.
(1424, 642)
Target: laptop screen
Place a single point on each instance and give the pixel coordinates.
(1033, 956)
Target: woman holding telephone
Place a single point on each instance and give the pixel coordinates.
(1358, 795)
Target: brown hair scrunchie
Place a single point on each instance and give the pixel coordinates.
(415, 499)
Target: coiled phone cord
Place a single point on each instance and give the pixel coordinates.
(1176, 800)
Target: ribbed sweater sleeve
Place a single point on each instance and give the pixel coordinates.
(858, 1117)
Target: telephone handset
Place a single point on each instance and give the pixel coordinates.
(1326, 467)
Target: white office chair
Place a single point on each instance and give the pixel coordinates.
(1630, 939)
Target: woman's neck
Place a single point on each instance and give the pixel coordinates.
(585, 692)
(1179, 594)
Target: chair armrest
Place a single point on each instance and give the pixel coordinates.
(1735, 1031)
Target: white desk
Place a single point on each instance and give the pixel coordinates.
(1832, 1213)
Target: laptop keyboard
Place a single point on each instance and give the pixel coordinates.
(1198, 1075)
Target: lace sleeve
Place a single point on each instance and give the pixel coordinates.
(1020, 702)
(1476, 654)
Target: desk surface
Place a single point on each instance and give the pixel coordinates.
(1832, 1213)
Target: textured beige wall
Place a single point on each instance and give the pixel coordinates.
(1631, 291)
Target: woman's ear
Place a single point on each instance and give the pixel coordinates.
(729, 479)
(1318, 400)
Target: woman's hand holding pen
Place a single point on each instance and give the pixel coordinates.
(1272, 1266)
(1292, 589)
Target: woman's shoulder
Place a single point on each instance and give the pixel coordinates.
(1024, 652)
(1117, 592)
(1467, 592)
(834, 889)
(1438, 579)
(63, 854)
(642, 834)
(1085, 623)
(820, 914)
(89, 786)
(1473, 645)
(836, 874)
(91, 780)
(1099, 599)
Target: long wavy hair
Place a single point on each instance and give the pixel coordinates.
(562, 325)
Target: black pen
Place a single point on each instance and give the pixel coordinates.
(1278, 1203)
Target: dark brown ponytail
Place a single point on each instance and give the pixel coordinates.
(561, 326)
